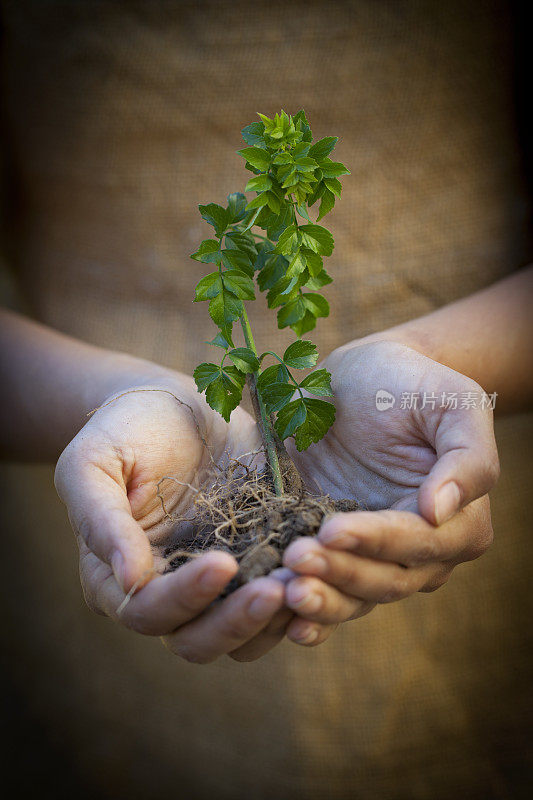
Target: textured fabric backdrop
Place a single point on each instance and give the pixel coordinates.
(120, 119)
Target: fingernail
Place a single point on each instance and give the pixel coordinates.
(307, 637)
(310, 560)
(340, 539)
(119, 568)
(211, 579)
(262, 607)
(300, 596)
(447, 502)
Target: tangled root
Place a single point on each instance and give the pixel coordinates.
(240, 514)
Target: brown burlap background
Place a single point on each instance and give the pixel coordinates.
(121, 118)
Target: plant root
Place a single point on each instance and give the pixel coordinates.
(242, 515)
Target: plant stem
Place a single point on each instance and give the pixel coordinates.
(262, 418)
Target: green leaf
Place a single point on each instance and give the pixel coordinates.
(316, 304)
(208, 252)
(233, 377)
(257, 157)
(316, 194)
(332, 169)
(283, 292)
(275, 225)
(319, 418)
(259, 184)
(277, 373)
(301, 149)
(216, 216)
(302, 211)
(334, 185)
(276, 395)
(208, 287)
(253, 134)
(305, 324)
(318, 382)
(204, 374)
(223, 397)
(264, 252)
(317, 238)
(243, 242)
(327, 204)
(289, 418)
(296, 265)
(305, 164)
(323, 147)
(244, 359)
(236, 207)
(316, 282)
(237, 260)
(240, 285)
(301, 121)
(288, 240)
(314, 261)
(301, 354)
(273, 202)
(221, 341)
(291, 312)
(251, 219)
(258, 202)
(274, 269)
(224, 309)
(291, 179)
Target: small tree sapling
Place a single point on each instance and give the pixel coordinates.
(270, 242)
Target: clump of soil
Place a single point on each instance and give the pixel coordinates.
(241, 514)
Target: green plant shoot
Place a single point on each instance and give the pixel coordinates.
(290, 175)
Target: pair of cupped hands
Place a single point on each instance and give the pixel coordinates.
(421, 474)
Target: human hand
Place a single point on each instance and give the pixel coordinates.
(423, 464)
(107, 478)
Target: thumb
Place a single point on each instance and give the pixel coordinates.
(99, 511)
(467, 465)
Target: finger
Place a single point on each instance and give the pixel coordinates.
(165, 603)
(266, 640)
(467, 465)
(406, 538)
(317, 601)
(362, 578)
(308, 634)
(100, 512)
(229, 624)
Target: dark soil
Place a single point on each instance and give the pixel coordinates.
(242, 515)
